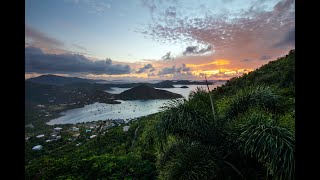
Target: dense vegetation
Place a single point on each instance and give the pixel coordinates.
(113, 155)
(248, 133)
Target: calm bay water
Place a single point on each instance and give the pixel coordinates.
(126, 110)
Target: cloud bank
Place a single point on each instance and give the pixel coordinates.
(38, 62)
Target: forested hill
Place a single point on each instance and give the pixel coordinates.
(146, 92)
(279, 73)
(59, 80)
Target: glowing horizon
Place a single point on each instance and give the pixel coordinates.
(150, 40)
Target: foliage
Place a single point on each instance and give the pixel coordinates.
(253, 139)
(108, 156)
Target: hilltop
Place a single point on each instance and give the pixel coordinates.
(36, 93)
(81, 82)
(145, 92)
(279, 73)
(59, 80)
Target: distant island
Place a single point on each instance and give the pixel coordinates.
(145, 92)
(102, 84)
(77, 92)
(81, 93)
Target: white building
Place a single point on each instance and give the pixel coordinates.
(125, 128)
(37, 147)
(93, 136)
(75, 129)
(58, 137)
(57, 128)
(40, 136)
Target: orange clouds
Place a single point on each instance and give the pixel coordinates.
(218, 62)
(220, 73)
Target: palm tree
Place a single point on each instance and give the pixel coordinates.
(243, 141)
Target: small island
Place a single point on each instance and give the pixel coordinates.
(145, 92)
(184, 87)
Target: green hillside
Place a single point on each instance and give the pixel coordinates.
(248, 133)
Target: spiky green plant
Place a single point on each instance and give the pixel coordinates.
(189, 160)
(257, 135)
(252, 96)
(248, 142)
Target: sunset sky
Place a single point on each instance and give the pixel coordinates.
(155, 39)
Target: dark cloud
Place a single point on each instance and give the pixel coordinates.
(184, 68)
(38, 62)
(146, 68)
(167, 57)
(173, 70)
(265, 57)
(165, 71)
(38, 37)
(288, 40)
(194, 50)
(190, 50)
(33, 50)
(246, 60)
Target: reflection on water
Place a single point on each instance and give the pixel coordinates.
(126, 110)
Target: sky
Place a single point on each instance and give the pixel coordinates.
(155, 39)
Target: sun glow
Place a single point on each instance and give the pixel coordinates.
(219, 62)
(228, 72)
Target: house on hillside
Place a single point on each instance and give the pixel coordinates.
(93, 136)
(37, 148)
(40, 136)
(125, 128)
(75, 129)
(57, 128)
